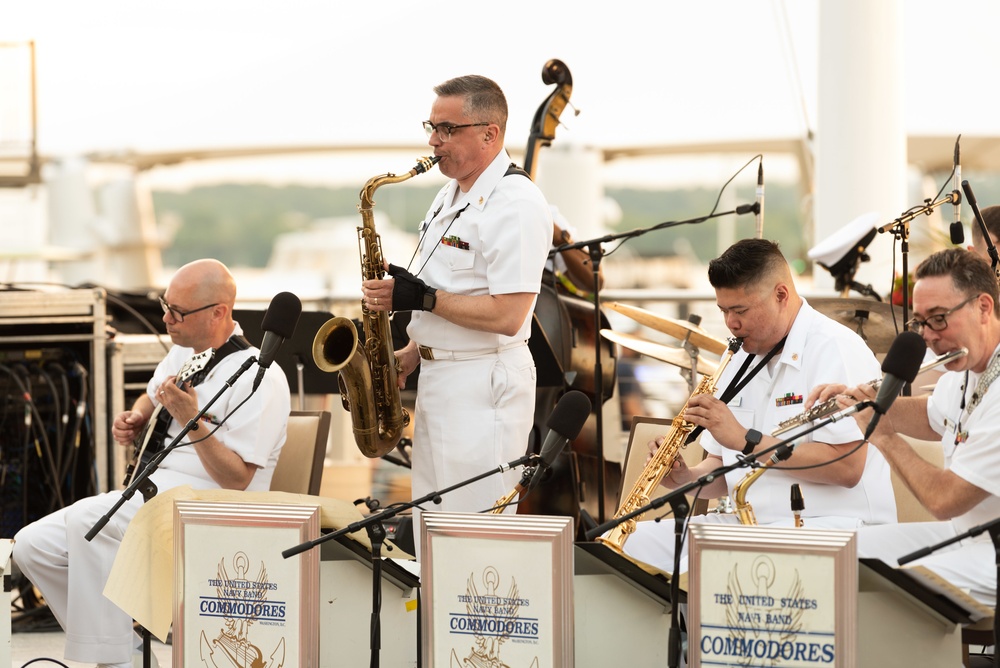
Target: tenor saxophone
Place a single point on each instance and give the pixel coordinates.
(368, 369)
(663, 459)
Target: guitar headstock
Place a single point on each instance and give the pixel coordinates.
(196, 367)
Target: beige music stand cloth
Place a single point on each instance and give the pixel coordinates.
(142, 578)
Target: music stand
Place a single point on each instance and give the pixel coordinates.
(294, 352)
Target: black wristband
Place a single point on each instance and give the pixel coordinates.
(753, 438)
(409, 293)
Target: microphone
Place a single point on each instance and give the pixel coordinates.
(278, 324)
(900, 366)
(957, 233)
(759, 206)
(565, 423)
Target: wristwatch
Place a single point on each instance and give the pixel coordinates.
(430, 299)
(753, 440)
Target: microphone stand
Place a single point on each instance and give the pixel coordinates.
(991, 248)
(376, 531)
(593, 247)
(994, 529)
(782, 450)
(900, 228)
(143, 484)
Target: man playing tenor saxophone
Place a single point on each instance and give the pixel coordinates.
(788, 348)
(955, 305)
(472, 287)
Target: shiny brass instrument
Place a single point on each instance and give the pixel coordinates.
(368, 369)
(663, 459)
(743, 509)
(829, 407)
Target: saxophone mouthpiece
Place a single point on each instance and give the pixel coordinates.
(425, 164)
(798, 504)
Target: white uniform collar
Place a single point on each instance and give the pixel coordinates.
(481, 190)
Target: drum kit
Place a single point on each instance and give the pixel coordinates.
(871, 320)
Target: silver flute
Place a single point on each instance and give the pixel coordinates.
(829, 407)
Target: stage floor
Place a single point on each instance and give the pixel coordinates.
(40, 645)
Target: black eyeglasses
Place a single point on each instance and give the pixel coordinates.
(178, 314)
(937, 322)
(444, 131)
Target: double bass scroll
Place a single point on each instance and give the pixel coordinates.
(546, 120)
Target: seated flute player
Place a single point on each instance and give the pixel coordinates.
(955, 306)
(787, 349)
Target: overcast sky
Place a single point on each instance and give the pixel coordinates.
(141, 75)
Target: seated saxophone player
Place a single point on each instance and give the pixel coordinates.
(788, 348)
(472, 286)
(955, 305)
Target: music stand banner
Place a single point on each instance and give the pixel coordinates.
(237, 601)
(768, 596)
(496, 590)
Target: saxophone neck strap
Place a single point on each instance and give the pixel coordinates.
(739, 382)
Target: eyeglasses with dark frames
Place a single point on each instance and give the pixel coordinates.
(179, 315)
(444, 130)
(937, 322)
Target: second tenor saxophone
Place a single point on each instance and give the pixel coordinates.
(662, 461)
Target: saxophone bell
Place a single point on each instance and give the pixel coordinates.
(334, 344)
(367, 366)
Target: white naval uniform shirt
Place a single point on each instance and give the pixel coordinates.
(491, 240)
(969, 441)
(256, 431)
(818, 350)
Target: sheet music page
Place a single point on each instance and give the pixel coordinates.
(938, 584)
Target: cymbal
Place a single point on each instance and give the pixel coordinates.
(676, 356)
(871, 320)
(678, 329)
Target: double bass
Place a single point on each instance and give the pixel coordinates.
(564, 330)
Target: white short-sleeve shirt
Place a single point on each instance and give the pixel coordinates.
(491, 240)
(818, 350)
(255, 430)
(969, 439)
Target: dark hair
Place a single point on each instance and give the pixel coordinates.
(484, 100)
(746, 263)
(970, 273)
(991, 216)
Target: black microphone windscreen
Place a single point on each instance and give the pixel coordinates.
(282, 315)
(957, 234)
(905, 356)
(570, 414)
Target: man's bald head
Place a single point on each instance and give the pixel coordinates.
(207, 281)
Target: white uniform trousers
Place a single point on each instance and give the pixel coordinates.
(969, 565)
(471, 416)
(96, 629)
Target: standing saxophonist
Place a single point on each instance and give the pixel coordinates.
(472, 286)
(788, 348)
